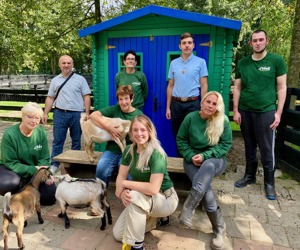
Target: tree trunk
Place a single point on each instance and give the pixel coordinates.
(97, 12)
(294, 61)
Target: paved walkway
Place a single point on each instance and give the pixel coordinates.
(253, 222)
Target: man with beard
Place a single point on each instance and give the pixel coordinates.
(260, 81)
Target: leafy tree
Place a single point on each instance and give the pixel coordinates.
(294, 61)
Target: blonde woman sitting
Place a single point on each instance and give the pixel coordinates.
(204, 138)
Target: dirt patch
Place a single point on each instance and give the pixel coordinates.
(236, 155)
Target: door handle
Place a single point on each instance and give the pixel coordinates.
(155, 104)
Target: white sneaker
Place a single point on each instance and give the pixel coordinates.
(53, 169)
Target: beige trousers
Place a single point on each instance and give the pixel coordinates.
(141, 215)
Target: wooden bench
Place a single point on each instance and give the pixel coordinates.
(74, 159)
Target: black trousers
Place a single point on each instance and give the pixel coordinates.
(12, 182)
(179, 110)
(255, 128)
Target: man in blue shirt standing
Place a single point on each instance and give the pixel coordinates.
(187, 80)
(69, 103)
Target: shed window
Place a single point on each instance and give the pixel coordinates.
(139, 61)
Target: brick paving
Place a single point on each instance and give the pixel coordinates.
(253, 222)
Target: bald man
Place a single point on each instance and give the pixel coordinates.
(69, 101)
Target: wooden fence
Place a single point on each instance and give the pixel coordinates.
(288, 137)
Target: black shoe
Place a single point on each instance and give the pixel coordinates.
(244, 182)
(163, 221)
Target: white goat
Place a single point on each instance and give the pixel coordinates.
(92, 133)
(19, 207)
(82, 192)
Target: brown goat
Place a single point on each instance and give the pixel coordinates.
(92, 133)
(19, 207)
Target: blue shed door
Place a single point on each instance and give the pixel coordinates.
(154, 56)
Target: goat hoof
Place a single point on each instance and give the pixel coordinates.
(67, 226)
(60, 215)
(25, 223)
(41, 221)
(102, 228)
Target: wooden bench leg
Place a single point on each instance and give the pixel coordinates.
(64, 168)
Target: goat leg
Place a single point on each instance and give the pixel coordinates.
(103, 222)
(109, 218)
(67, 221)
(20, 237)
(5, 227)
(40, 217)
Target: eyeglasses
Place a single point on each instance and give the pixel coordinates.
(130, 59)
(31, 117)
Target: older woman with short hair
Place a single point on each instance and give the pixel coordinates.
(24, 148)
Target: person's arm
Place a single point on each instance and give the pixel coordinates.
(149, 188)
(144, 88)
(10, 157)
(97, 118)
(169, 97)
(44, 154)
(48, 106)
(236, 99)
(281, 95)
(183, 141)
(87, 105)
(204, 86)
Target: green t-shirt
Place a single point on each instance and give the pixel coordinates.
(116, 112)
(139, 85)
(157, 164)
(21, 154)
(192, 139)
(259, 85)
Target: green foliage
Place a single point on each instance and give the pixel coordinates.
(35, 33)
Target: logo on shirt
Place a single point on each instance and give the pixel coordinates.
(38, 147)
(136, 83)
(146, 168)
(264, 68)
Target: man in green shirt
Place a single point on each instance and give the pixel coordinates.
(260, 81)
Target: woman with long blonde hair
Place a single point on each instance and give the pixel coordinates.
(149, 194)
(204, 138)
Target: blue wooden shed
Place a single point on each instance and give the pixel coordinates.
(154, 33)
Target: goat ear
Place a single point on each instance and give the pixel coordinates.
(126, 129)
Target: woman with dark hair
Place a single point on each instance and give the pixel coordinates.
(136, 79)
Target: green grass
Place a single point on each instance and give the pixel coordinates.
(20, 104)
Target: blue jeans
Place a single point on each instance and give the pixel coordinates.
(108, 162)
(202, 177)
(62, 121)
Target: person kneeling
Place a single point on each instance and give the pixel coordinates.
(150, 194)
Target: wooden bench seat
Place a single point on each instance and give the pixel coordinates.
(70, 158)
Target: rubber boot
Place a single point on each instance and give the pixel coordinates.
(249, 177)
(191, 202)
(219, 228)
(269, 184)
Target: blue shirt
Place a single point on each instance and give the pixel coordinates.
(187, 75)
(71, 95)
